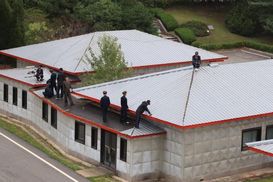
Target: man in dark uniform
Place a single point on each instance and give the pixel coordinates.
(124, 108)
(53, 77)
(140, 110)
(104, 104)
(60, 81)
(196, 61)
(39, 74)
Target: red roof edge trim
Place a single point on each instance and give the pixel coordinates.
(90, 122)
(260, 151)
(37, 63)
(179, 126)
(134, 67)
(25, 83)
(129, 111)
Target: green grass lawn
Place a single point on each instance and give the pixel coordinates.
(267, 179)
(215, 17)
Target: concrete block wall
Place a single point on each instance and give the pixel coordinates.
(214, 151)
(22, 64)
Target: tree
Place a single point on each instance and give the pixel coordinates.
(137, 16)
(109, 64)
(11, 27)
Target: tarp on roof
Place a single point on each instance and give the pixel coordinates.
(262, 147)
(139, 48)
(216, 94)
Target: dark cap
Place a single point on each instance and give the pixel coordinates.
(124, 92)
(148, 101)
(104, 92)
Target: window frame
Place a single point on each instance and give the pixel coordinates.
(6, 92)
(123, 149)
(24, 99)
(15, 96)
(259, 129)
(54, 118)
(266, 131)
(94, 137)
(45, 111)
(77, 138)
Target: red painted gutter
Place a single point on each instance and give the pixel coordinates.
(260, 151)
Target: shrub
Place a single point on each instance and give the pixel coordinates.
(186, 35)
(168, 20)
(200, 29)
(242, 19)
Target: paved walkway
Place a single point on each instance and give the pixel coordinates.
(21, 162)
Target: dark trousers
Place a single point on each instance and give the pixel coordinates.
(104, 114)
(123, 115)
(60, 88)
(67, 97)
(53, 87)
(138, 118)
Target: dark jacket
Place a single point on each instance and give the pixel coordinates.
(123, 103)
(104, 102)
(60, 78)
(143, 107)
(39, 72)
(196, 59)
(53, 77)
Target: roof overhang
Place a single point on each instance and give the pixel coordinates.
(263, 147)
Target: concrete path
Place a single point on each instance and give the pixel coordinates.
(21, 162)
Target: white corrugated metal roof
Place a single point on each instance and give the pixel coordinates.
(265, 147)
(139, 48)
(217, 93)
(24, 75)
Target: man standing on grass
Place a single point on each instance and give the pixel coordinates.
(104, 104)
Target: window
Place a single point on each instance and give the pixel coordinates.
(45, 112)
(53, 117)
(250, 135)
(24, 99)
(6, 93)
(123, 149)
(94, 137)
(14, 96)
(269, 132)
(79, 132)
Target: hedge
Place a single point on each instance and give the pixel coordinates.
(249, 44)
(168, 20)
(200, 29)
(186, 35)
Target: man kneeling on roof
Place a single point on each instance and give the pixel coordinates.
(140, 110)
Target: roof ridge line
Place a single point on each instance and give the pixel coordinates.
(188, 97)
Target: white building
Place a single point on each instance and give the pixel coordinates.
(200, 125)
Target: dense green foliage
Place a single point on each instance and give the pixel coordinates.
(186, 35)
(200, 29)
(168, 20)
(11, 26)
(109, 64)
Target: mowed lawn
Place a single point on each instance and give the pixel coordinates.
(216, 17)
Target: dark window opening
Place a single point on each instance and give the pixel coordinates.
(123, 149)
(45, 112)
(6, 93)
(94, 138)
(54, 117)
(250, 135)
(269, 132)
(24, 99)
(14, 96)
(79, 132)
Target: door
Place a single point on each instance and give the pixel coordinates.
(108, 149)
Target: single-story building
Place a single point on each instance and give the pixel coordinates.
(200, 125)
(142, 51)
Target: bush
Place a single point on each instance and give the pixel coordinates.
(168, 20)
(242, 20)
(200, 29)
(186, 35)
